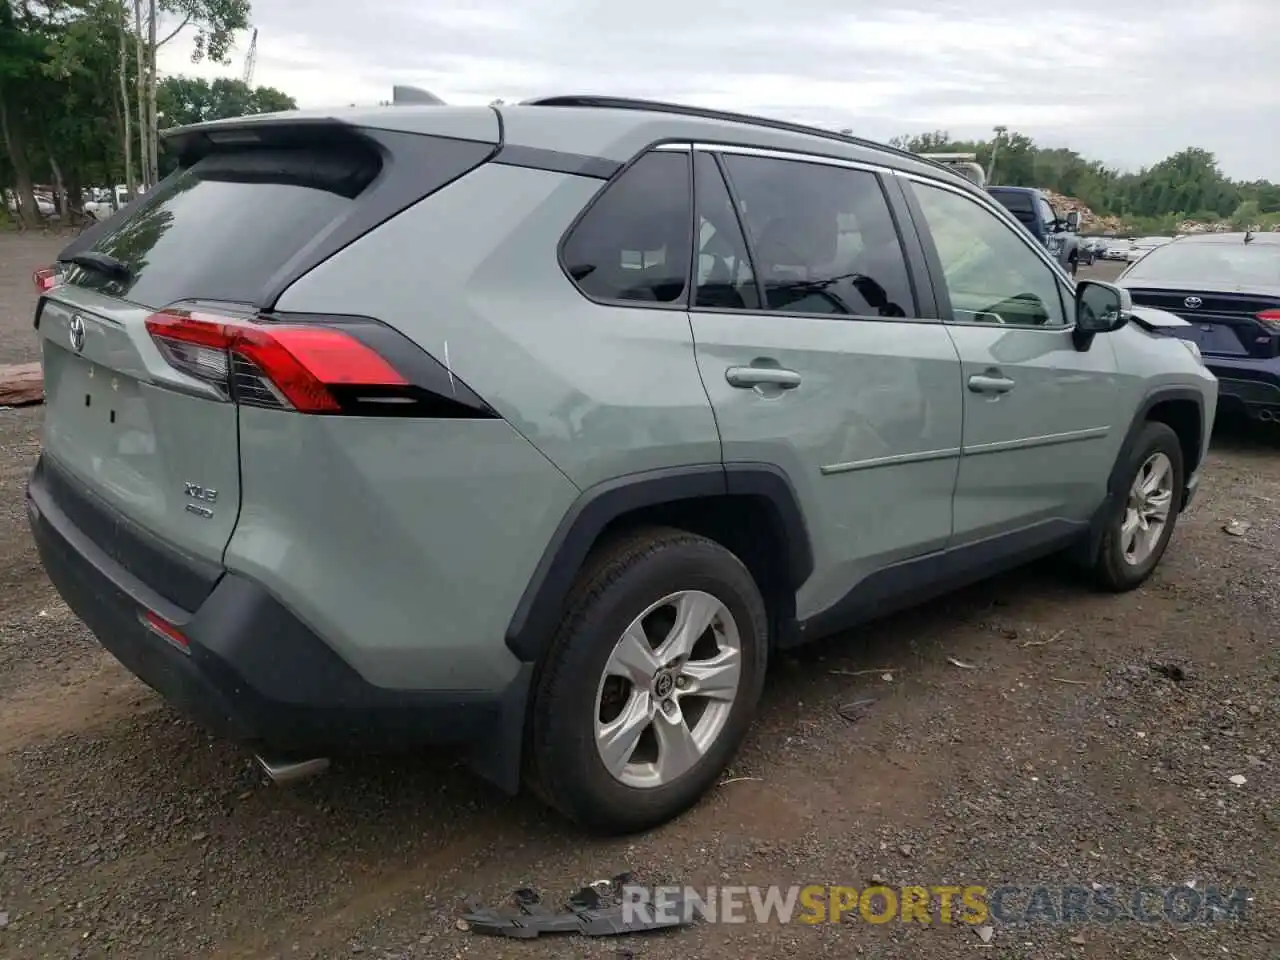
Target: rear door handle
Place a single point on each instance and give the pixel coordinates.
(748, 377)
(979, 383)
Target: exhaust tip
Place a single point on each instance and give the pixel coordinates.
(283, 771)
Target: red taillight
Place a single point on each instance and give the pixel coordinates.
(296, 364)
(45, 279)
(1270, 319)
(166, 630)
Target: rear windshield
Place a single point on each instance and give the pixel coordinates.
(1019, 204)
(1014, 201)
(1238, 264)
(222, 228)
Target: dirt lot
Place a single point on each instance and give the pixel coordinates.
(1092, 742)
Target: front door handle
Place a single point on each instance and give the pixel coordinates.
(749, 377)
(979, 383)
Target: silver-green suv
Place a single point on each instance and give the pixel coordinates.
(539, 429)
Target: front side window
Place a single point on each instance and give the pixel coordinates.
(823, 238)
(633, 243)
(1047, 214)
(991, 273)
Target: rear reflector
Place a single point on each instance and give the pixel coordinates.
(45, 279)
(294, 366)
(166, 630)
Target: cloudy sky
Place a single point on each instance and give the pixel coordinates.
(1124, 81)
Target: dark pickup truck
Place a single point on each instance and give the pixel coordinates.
(1034, 211)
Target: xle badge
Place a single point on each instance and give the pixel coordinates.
(195, 491)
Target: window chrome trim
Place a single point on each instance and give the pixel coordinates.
(775, 154)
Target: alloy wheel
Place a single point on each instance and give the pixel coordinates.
(1147, 509)
(668, 689)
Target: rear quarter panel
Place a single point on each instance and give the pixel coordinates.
(471, 274)
(408, 544)
(405, 544)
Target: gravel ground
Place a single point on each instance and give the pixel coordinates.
(1085, 739)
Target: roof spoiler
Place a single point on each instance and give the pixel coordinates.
(402, 95)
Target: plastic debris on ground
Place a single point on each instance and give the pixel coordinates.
(594, 911)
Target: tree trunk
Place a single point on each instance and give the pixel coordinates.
(75, 194)
(126, 115)
(59, 185)
(24, 191)
(153, 154)
(141, 84)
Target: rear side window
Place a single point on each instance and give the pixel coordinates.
(823, 238)
(222, 228)
(634, 242)
(725, 278)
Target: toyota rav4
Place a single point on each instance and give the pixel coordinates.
(540, 429)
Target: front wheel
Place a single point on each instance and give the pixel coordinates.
(1142, 521)
(651, 681)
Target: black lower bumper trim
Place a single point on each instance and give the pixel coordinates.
(254, 672)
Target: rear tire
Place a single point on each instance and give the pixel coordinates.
(1132, 543)
(630, 593)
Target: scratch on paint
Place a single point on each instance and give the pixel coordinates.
(449, 367)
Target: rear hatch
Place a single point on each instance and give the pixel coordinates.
(1225, 324)
(141, 385)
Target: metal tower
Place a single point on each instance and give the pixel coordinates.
(251, 59)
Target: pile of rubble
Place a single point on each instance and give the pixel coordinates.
(1089, 221)
(1116, 225)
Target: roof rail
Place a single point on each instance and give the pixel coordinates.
(402, 95)
(706, 113)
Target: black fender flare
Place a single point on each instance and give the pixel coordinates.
(1115, 482)
(533, 622)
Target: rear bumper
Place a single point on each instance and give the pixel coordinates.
(1253, 383)
(252, 671)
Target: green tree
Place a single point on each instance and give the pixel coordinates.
(22, 56)
(1246, 215)
(184, 100)
(215, 23)
(1187, 185)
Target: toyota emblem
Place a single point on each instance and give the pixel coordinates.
(76, 330)
(1192, 303)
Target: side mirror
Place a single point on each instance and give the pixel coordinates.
(1073, 220)
(1100, 308)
